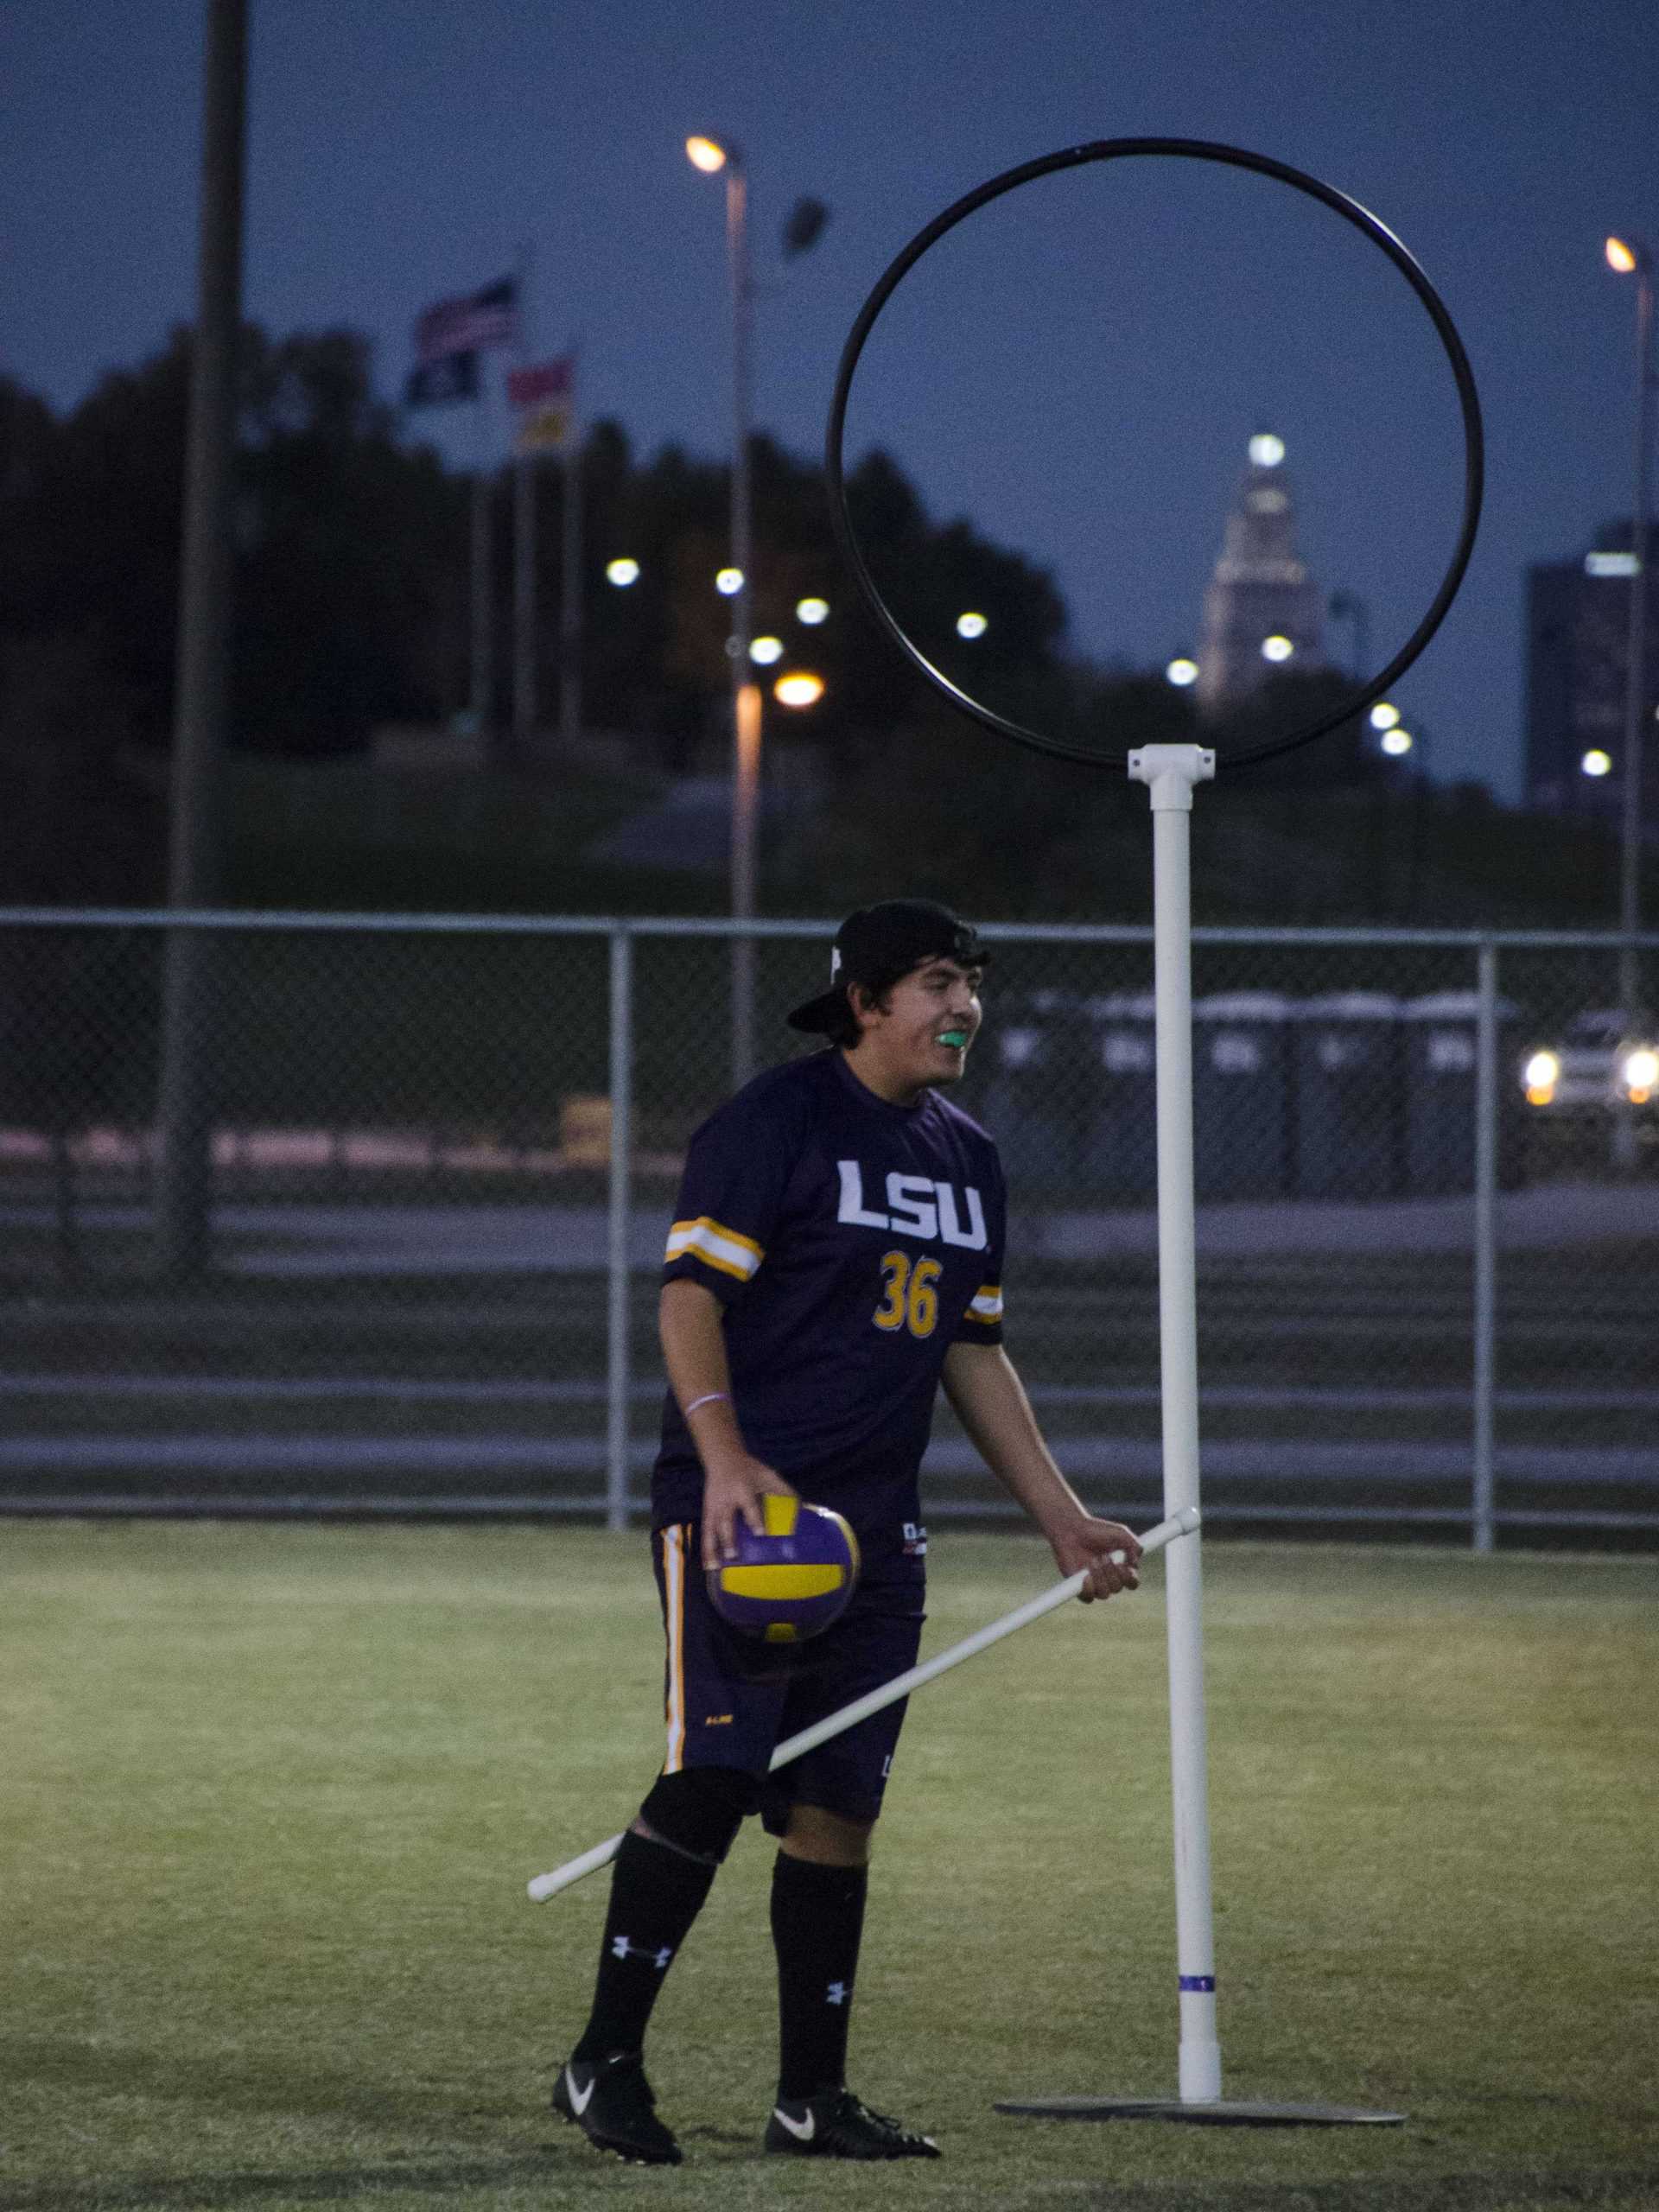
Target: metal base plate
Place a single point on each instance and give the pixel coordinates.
(1219, 2115)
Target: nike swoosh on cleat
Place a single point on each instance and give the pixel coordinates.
(802, 2130)
(580, 2099)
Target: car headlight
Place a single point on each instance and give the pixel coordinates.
(1542, 1071)
(1641, 1073)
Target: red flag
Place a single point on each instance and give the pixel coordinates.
(534, 387)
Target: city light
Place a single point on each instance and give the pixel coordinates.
(1610, 564)
(1267, 451)
(622, 573)
(705, 155)
(729, 583)
(812, 611)
(1597, 763)
(1620, 256)
(766, 649)
(1182, 671)
(1384, 716)
(1276, 647)
(971, 625)
(1396, 742)
(800, 690)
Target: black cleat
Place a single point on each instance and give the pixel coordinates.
(610, 2099)
(834, 2125)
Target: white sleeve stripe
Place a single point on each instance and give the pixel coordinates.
(703, 1239)
(988, 1306)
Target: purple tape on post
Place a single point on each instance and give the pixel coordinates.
(1199, 1981)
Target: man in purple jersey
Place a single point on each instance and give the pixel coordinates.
(835, 1255)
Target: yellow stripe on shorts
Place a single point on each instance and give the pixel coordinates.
(674, 1584)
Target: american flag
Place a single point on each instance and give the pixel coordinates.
(485, 318)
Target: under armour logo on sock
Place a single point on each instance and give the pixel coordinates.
(836, 1993)
(621, 1948)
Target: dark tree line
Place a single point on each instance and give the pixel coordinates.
(351, 595)
(343, 594)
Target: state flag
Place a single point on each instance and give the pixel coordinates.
(544, 430)
(436, 383)
(465, 325)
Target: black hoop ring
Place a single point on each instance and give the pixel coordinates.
(1110, 149)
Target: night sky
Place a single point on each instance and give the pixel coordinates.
(1079, 376)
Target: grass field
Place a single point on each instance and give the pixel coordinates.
(273, 1793)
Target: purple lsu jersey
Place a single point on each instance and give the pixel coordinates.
(851, 1242)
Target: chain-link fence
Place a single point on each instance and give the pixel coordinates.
(356, 1215)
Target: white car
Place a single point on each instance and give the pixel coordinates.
(1602, 1063)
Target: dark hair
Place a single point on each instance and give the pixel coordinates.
(847, 1032)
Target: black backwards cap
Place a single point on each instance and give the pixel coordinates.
(878, 944)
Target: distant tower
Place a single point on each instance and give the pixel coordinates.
(1262, 611)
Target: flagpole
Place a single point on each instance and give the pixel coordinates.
(524, 542)
(481, 702)
(571, 594)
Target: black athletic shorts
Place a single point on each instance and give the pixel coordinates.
(729, 1700)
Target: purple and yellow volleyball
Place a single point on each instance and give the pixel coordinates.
(792, 1582)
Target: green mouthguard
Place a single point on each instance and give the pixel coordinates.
(957, 1038)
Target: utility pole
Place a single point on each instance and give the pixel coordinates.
(184, 1110)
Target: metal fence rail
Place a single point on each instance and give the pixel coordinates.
(436, 1156)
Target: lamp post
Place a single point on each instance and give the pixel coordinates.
(1634, 257)
(711, 158)
(1396, 742)
(801, 232)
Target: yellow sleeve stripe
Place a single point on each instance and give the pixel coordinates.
(715, 1246)
(988, 1306)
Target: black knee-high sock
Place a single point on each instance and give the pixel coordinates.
(656, 1894)
(818, 1917)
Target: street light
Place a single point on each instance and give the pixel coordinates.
(800, 688)
(711, 156)
(1406, 750)
(1629, 257)
(805, 223)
